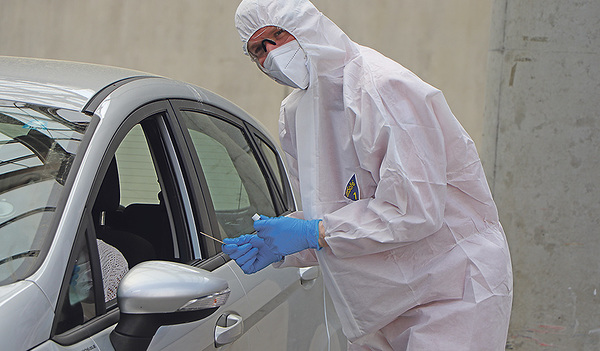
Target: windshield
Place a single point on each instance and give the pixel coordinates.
(37, 147)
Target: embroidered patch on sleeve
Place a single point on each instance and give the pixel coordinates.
(352, 192)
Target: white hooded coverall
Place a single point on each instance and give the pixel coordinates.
(416, 257)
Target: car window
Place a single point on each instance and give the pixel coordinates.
(79, 305)
(136, 215)
(137, 174)
(276, 168)
(237, 185)
(131, 212)
(37, 148)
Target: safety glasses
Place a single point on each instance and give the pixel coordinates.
(266, 39)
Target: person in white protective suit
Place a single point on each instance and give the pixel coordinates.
(396, 208)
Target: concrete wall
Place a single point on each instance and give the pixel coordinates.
(445, 42)
(542, 154)
(540, 138)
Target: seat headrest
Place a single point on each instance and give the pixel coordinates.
(109, 195)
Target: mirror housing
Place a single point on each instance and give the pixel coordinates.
(157, 293)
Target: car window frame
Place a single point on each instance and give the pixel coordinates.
(215, 256)
(107, 314)
(210, 248)
(136, 117)
(186, 224)
(216, 144)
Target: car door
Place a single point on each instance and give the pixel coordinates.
(143, 207)
(241, 174)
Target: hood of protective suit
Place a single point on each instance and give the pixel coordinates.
(328, 50)
(326, 45)
(378, 155)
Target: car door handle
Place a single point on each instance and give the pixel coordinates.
(308, 274)
(228, 329)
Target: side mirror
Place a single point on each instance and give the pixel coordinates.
(157, 293)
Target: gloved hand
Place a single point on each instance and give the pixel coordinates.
(286, 235)
(239, 249)
(250, 252)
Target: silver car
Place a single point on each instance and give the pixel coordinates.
(113, 184)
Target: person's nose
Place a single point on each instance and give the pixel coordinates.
(268, 45)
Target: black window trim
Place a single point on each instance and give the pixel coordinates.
(185, 202)
(195, 182)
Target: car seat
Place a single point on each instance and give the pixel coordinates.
(151, 221)
(108, 217)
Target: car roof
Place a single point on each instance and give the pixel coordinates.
(56, 83)
(84, 86)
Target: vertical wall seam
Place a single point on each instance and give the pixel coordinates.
(502, 50)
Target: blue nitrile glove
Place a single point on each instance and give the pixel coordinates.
(239, 249)
(250, 252)
(286, 235)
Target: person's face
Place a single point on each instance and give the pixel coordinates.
(266, 39)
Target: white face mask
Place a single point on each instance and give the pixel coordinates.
(287, 65)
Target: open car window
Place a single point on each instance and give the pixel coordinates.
(138, 214)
